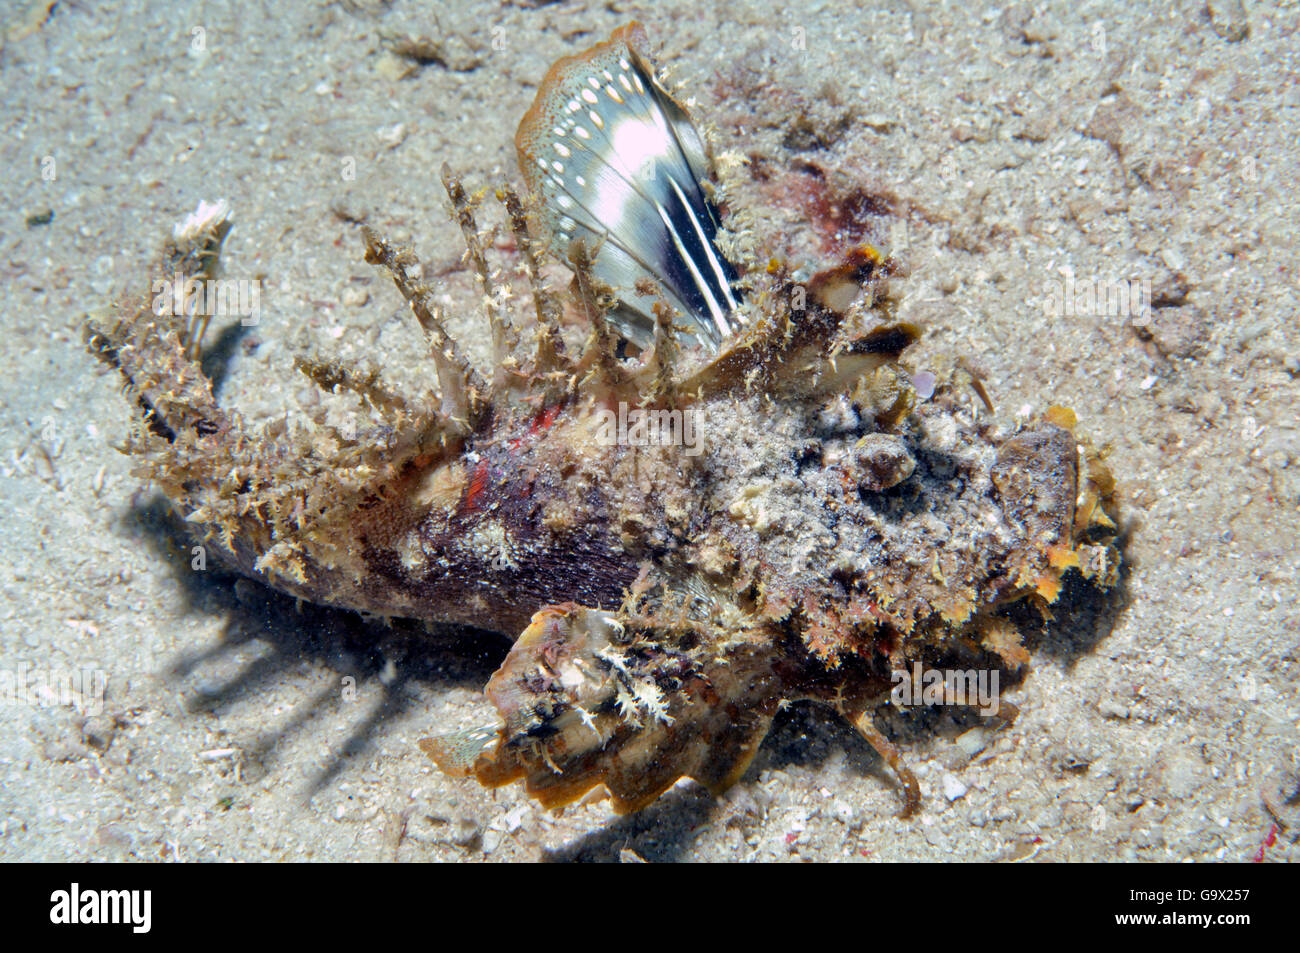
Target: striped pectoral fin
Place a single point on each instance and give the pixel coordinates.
(617, 163)
(583, 704)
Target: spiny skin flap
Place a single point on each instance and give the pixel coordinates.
(617, 163)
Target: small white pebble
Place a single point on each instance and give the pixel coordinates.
(952, 788)
(923, 383)
(392, 136)
(972, 742)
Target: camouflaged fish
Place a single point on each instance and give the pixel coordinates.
(694, 488)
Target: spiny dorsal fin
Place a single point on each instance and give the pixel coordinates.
(504, 338)
(463, 390)
(594, 298)
(550, 345)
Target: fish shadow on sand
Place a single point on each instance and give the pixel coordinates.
(405, 660)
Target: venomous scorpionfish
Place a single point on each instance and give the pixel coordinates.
(646, 486)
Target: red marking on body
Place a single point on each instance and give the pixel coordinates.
(538, 425)
(477, 484)
(545, 417)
